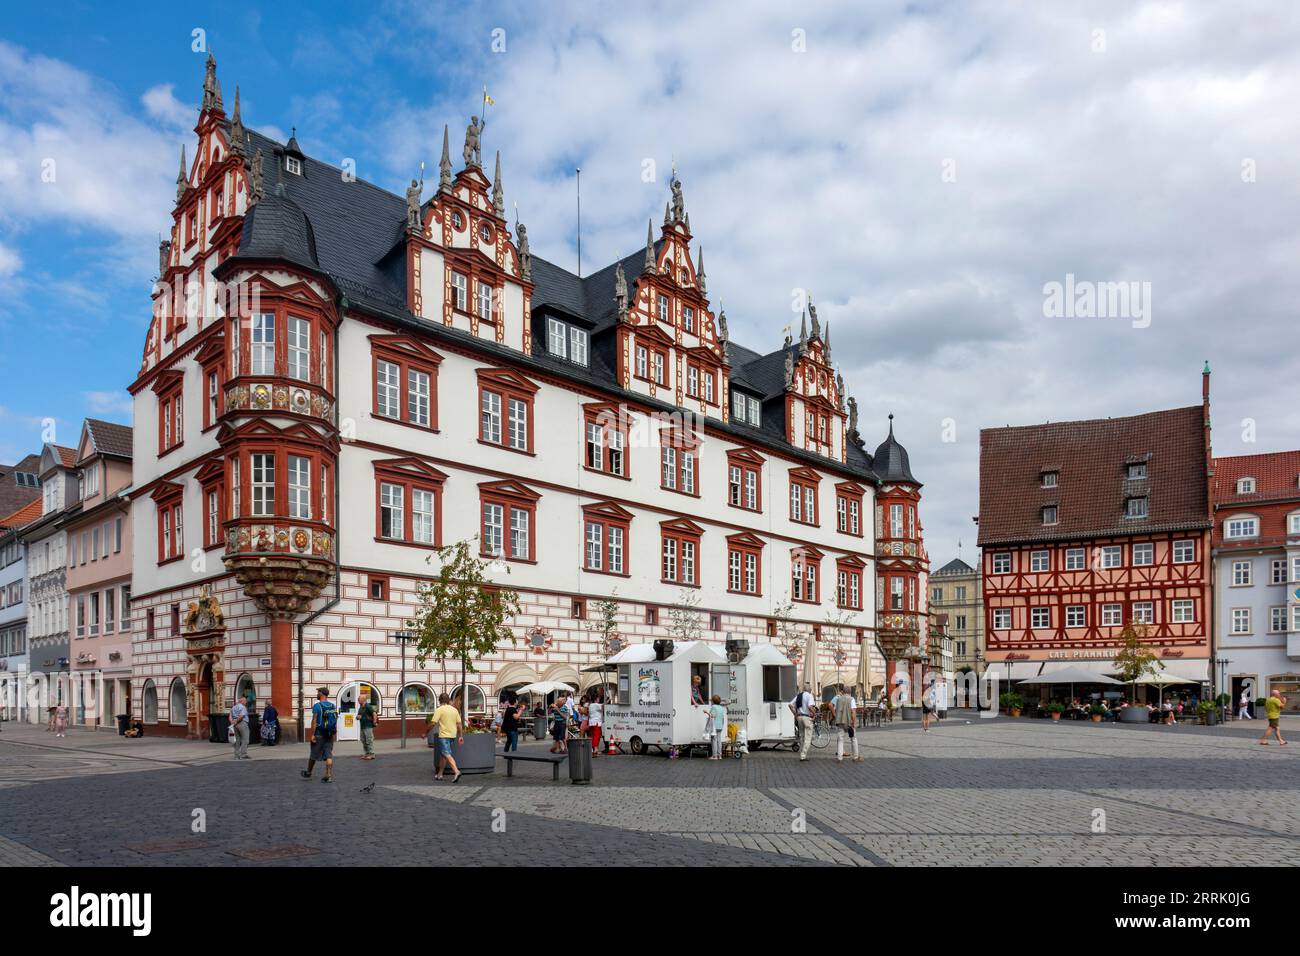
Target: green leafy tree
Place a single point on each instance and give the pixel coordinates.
(684, 618)
(1135, 659)
(462, 615)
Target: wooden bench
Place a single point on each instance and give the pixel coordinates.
(553, 759)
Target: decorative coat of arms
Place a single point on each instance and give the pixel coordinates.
(205, 613)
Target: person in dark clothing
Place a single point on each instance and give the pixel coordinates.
(510, 719)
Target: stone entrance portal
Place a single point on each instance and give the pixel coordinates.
(204, 631)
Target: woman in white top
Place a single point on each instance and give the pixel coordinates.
(595, 717)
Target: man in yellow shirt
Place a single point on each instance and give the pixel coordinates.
(1273, 709)
(447, 721)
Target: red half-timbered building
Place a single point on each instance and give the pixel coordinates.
(1087, 527)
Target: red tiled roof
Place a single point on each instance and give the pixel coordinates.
(23, 516)
(67, 455)
(1276, 474)
(1090, 459)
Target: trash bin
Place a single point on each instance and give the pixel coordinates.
(580, 760)
(254, 728)
(218, 728)
(123, 721)
(539, 728)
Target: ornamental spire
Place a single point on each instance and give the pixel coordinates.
(211, 88)
(498, 196)
(803, 334)
(649, 247)
(237, 133)
(699, 272)
(182, 179)
(826, 342)
(444, 165)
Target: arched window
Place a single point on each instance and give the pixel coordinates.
(245, 686)
(419, 699)
(150, 702)
(177, 699)
(477, 703)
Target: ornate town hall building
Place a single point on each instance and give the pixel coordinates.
(338, 379)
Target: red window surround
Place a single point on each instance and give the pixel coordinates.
(497, 390)
(297, 301)
(169, 388)
(377, 587)
(605, 428)
(475, 273)
(169, 501)
(848, 583)
(745, 564)
(212, 360)
(409, 355)
(680, 552)
(703, 379)
(805, 575)
(804, 494)
(211, 478)
(410, 475)
(651, 342)
(606, 538)
(679, 454)
(849, 508)
(745, 479)
(517, 527)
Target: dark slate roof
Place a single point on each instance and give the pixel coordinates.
(353, 232)
(955, 566)
(1089, 458)
(110, 438)
(890, 459)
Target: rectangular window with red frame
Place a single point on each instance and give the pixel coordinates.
(680, 463)
(507, 517)
(605, 540)
(408, 503)
(605, 441)
(848, 509)
(803, 498)
(848, 588)
(680, 554)
(405, 385)
(745, 565)
(804, 576)
(506, 410)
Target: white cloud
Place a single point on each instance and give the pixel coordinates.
(117, 405)
(160, 102)
(10, 262)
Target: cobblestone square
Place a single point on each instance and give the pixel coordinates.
(972, 792)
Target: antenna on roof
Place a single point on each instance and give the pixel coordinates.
(579, 171)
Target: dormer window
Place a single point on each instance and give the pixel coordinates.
(1136, 507)
(1245, 486)
(292, 164)
(566, 341)
(1049, 479)
(1246, 526)
(1137, 471)
(1049, 514)
(745, 409)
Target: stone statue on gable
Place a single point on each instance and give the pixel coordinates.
(473, 151)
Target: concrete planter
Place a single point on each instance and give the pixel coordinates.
(1134, 715)
(478, 754)
(908, 712)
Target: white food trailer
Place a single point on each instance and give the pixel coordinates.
(760, 684)
(653, 705)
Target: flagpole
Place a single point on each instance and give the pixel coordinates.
(579, 222)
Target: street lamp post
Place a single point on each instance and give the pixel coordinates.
(403, 638)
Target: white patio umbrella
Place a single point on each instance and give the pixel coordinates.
(810, 673)
(1161, 681)
(544, 687)
(1071, 676)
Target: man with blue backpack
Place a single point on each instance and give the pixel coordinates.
(324, 727)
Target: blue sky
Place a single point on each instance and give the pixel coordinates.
(922, 169)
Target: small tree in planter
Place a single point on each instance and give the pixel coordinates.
(462, 616)
(1135, 659)
(604, 626)
(1012, 703)
(1056, 709)
(787, 632)
(684, 617)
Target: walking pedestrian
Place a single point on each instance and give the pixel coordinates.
(559, 716)
(61, 721)
(450, 727)
(1273, 709)
(802, 706)
(270, 730)
(929, 704)
(510, 718)
(369, 712)
(324, 726)
(1243, 706)
(844, 707)
(239, 728)
(595, 720)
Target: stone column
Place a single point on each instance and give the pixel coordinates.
(282, 689)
